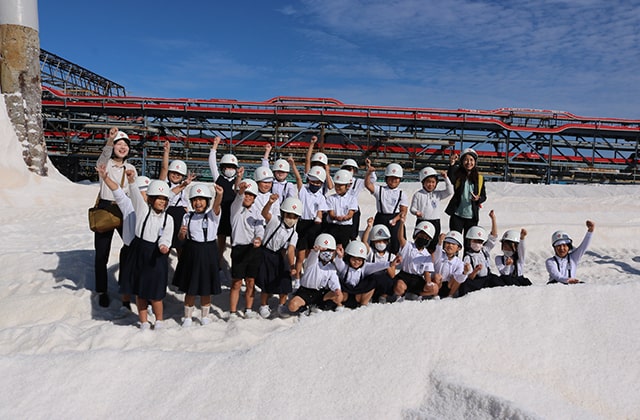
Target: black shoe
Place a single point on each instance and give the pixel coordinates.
(104, 300)
(126, 305)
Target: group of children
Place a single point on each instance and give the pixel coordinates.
(300, 240)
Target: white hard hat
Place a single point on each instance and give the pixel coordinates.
(380, 232)
(320, 157)
(325, 240)
(349, 163)
(427, 172)
(121, 136)
(393, 169)
(425, 227)
(469, 151)
(454, 237)
(281, 165)
(229, 159)
(317, 173)
(142, 182)
(252, 187)
(158, 188)
(263, 174)
(200, 190)
(477, 233)
(356, 249)
(561, 237)
(178, 166)
(343, 177)
(292, 205)
(511, 235)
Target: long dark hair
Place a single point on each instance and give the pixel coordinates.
(472, 176)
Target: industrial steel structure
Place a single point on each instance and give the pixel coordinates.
(521, 145)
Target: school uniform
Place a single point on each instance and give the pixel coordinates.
(246, 225)
(176, 208)
(317, 280)
(341, 206)
(562, 269)
(228, 195)
(306, 227)
(102, 240)
(512, 274)
(357, 281)
(484, 278)
(197, 272)
(128, 234)
(262, 199)
(388, 203)
(274, 276)
(149, 269)
(284, 189)
(449, 269)
(383, 281)
(428, 203)
(357, 185)
(415, 262)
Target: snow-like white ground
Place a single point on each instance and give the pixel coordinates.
(535, 352)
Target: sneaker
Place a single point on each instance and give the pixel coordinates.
(250, 314)
(423, 298)
(283, 311)
(186, 322)
(144, 326)
(205, 320)
(400, 299)
(411, 296)
(339, 308)
(382, 300)
(314, 309)
(235, 315)
(264, 311)
(159, 325)
(296, 284)
(103, 300)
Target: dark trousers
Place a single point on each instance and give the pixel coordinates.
(461, 225)
(102, 244)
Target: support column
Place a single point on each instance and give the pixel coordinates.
(20, 78)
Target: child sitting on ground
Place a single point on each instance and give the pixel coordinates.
(376, 239)
(451, 270)
(510, 264)
(563, 266)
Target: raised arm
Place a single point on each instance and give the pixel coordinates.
(307, 161)
(368, 183)
(367, 231)
(107, 150)
(296, 173)
(164, 168)
(266, 210)
(213, 164)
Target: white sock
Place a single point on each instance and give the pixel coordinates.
(205, 311)
(188, 312)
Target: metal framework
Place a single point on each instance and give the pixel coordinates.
(74, 79)
(522, 145)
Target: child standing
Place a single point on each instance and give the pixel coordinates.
(416, 274)
(391, 203)
(376, 238)
(356, 186)
(510, 264)
(449, 267)
(197, 272)
(477, 255)
(149, 268)
(281, 169)
(278, 253)
(318, 159)
(247, 231)
(319, 282)
(425, 203)
(563, 266)
(342, 207)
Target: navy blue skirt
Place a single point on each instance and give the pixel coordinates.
(198, 271)
(147, 270)
(274, 276)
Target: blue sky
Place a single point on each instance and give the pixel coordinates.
(580, 56)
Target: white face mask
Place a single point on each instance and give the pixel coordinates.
(229, 172)
(289, 222)
(476, 246)
(325, 256)
(508, 254)
(381, 246)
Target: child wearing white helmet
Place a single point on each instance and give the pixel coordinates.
(451, 271)
(247, 231)
(278, 253)
(176, 175)
(281, 169)
(342, 207)
(563, 266)
(425, 203)
(416, 270)
(510, 264)
(197, 273)
(149, 264)
(356, 274)
(128, 224)
(114, 159)
(355, 188)
(376, 238)
(318, 159)
(468, 194)
(226, 178)
(314, 204)
(391, 202)
(477, 254)
(319, 282)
